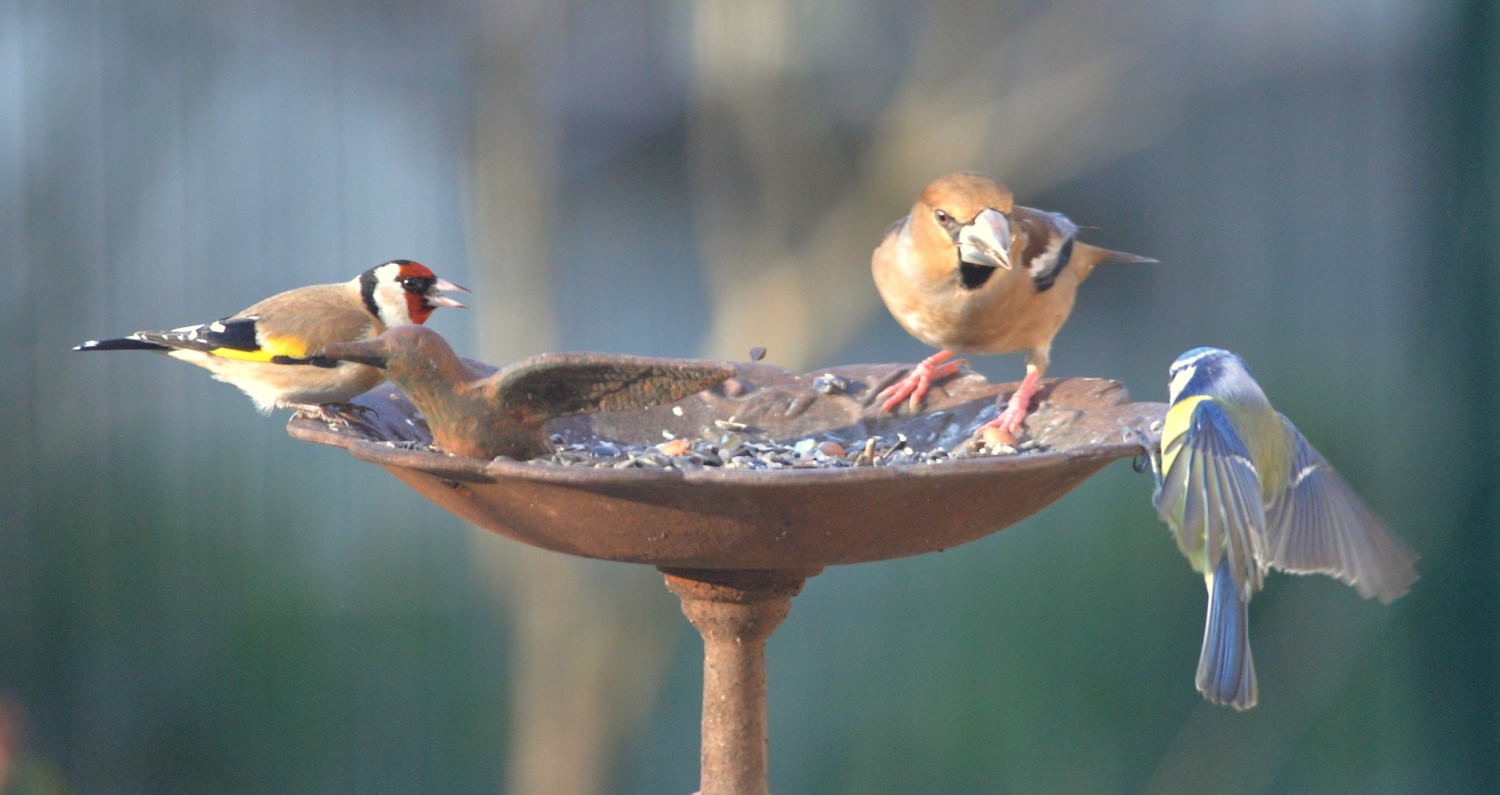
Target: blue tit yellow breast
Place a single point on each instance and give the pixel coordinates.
(1179, 419)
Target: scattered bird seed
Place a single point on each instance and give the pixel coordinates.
(996, 437)
(830, 384)
(675, 447)
(739, 453)
(757, 353)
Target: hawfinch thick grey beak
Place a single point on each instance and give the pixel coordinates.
(986, 240)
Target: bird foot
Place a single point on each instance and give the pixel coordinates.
(1014, 415)
(916, 383)
(1011, 419)
(1150, 456)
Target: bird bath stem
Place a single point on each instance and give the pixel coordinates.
(735, 612)
(735, 546)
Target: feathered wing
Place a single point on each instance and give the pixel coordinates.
(1211, 476)
(269, 332)
(1319, 525)
(231, 336)
(323, 313)
(1213, 482)
(559, 384)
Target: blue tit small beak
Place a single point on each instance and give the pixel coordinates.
(986, 240)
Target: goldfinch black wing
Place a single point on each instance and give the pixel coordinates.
(233, 338)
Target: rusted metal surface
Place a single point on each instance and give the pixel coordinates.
(783, 519)
(735, 612)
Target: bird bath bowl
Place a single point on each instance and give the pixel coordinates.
(736, 545)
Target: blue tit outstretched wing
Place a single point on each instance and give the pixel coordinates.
(1317, 525)
(1210, 493)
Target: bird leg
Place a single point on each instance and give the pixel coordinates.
(1152, 454)
(918, 381)
(1015, 411)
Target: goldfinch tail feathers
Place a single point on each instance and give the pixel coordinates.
(230, 337)
(121, 344)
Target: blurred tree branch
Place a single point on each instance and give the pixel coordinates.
(789, 207)
(589, 649)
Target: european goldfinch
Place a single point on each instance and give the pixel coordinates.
(475, 410)
(1243, 492)
(273, 350)
(970, 271)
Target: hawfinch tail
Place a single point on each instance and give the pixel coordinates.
(971, 271)
(273, 350)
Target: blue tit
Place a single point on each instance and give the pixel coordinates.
(1244, 492)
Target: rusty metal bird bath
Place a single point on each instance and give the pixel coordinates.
(737, 545)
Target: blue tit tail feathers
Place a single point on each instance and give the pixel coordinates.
(121, 344)
(1226, 671)
(1319, 525)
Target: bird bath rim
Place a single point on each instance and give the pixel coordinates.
(783, 519)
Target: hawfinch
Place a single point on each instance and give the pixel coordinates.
(971, 271)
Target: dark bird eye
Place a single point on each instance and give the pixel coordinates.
(415, 284)
(942, 217)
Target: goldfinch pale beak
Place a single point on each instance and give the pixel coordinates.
(986, 240)
(445, 286)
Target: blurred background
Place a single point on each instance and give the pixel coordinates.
(190, 601)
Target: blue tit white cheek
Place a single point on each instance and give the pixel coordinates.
(1179, 382)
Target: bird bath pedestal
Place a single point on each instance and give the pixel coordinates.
(736, 545)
